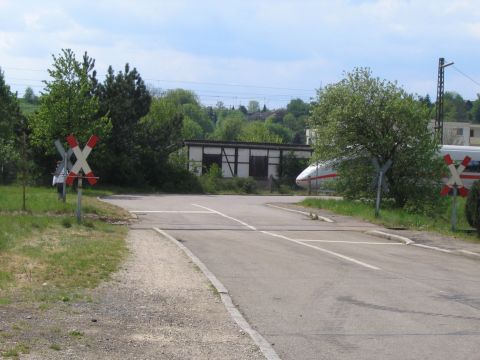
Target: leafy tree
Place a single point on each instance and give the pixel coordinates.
(198, 115)
(10, 123)
(30, 96)
(243, 109)
(68, 105)
(181, 97)
(475, 111)
(284, 133)
(362, 117)
(264, 109)
(257, 131)
(230, 127)
(297, 107)
(125, 99)
(472, 209)
(454, 107)
(191, 130)
(159, 135)
(253, 106)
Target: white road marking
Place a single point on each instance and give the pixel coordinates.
(171, 212)
(292, 240)
(350, 242)
(323, 218)
(226, 216)
(324, 250)
(432, 248)
(263, 344)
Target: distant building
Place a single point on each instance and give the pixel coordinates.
(460, 133)
(242, 159)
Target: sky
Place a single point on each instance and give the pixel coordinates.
(233, 51)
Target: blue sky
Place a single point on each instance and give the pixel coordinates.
(235, 51)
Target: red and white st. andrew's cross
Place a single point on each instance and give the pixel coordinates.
(455, 180)
(81, 156)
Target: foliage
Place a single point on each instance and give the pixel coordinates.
(472, 206)
(30, 96)
(253, 106)
(68, 105)
(124, 98)
(159, 134)
(454, 108)
(292, 166)
(10, 124)
(366, 117)
(391, 216)
(257, 131)
(230, 127)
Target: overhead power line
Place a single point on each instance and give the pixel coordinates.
(182, 81)
(468, 77)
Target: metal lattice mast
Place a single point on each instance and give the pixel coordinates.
(440, 92)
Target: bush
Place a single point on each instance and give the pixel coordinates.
(472, 206)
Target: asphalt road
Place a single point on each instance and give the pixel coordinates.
(320, 290)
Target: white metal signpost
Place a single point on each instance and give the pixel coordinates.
(64, 166)
(80, 166)
(455, 183)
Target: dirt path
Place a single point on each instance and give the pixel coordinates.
(159, 306)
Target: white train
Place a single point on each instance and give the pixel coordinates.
(318, 175)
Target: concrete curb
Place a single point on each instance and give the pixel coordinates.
(388, 236)
(264, 346)
(321, 218)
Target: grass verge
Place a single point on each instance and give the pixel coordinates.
(398, 218)
(45, 255)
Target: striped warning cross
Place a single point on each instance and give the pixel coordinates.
(81, 156)
(455, 180)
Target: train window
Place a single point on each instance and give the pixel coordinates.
(473, 166)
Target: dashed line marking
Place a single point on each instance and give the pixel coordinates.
(344, 257)
(170, 212)
(350, 242)
(226, 216)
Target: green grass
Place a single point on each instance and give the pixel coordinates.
(45, 255)
(398, 218)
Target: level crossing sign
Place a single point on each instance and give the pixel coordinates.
(66, 155)
(81, 163)
(455, 180)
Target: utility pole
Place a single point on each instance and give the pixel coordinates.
(440, 91)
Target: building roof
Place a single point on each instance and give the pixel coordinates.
(249, 145)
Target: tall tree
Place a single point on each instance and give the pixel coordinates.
(363, 117)
(253, 106)
(68, 105)
(454, 107)
(159, 135)
(30, 96)
(125, 99)
(258, 131)
(10, 122)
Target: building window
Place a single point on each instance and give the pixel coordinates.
(460, 131)
(209, 160)
(472, 133)
(258, 167)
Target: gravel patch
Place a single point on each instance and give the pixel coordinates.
(158, 306)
